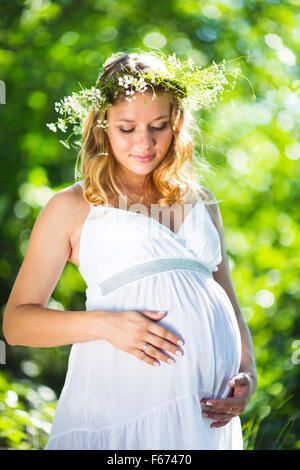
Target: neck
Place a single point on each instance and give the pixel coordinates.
(134, 185)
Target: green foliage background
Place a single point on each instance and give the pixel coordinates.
(252, 145)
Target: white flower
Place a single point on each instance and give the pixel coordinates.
(102, 124)
(173, 61)
(128, 79)
(51, 126)
(191, 63)
(62, 125)
(59, 108)
(77, 130)
(140, 85)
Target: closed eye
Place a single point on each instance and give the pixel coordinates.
(154, 128)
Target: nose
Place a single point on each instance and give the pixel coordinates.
(145, 139)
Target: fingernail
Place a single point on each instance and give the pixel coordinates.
(205, 415)
(232, 382)
(160, 313)
(180, 342)
(209, 403)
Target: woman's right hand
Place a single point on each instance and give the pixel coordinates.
(130, 330)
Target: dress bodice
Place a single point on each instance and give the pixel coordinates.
(113, 239)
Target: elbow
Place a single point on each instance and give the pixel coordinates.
(9, 341)
(8, 329)
(8, 338)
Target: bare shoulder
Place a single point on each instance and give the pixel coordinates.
(65, 211)
(67, 202)
(75, 209)
(68, 196)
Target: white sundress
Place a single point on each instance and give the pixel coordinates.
(111, 400)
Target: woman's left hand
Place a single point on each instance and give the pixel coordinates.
(223, 410)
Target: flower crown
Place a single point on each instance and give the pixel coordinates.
(196, 88)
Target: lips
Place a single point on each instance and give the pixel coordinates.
(143, 158)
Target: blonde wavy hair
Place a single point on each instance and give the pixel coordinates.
(170, 178)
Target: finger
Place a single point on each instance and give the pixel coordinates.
(150, 313)
(220, 417)
(144, 357)
(237, 407)
(239, 379)
(217, 424)
(153, 352)
(164, 333)
(209, 409)
(224, 404)
(162, 344)
(233, 410)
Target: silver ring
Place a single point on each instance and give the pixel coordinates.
(145, 346)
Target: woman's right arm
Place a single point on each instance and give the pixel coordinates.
(27, 321)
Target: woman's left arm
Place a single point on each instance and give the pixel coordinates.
(244, 383)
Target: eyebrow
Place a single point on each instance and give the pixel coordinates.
(131, 120)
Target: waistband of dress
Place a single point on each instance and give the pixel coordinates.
(149, 268)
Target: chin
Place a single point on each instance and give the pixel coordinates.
(144, 168)
(141, 171)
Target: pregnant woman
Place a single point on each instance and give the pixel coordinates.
(162, 357)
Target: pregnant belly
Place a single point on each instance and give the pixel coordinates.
(199, 311)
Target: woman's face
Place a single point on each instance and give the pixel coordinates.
(140, 128)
